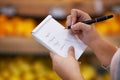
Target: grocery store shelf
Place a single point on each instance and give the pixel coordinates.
(24, 45)
(38, 7)
(42, 7)
(21, 45)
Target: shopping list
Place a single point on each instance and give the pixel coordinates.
(52, 35)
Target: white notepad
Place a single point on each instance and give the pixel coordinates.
(56, 38)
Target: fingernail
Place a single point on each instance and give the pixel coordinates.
(72, 26)
(72, 22)
(71, 47)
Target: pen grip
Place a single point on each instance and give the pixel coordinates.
(97, 19)
(94, 20)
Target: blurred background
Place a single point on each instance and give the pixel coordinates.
(22, 58)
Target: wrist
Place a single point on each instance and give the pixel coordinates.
(76, 76)
(104, 50)
(95, 41)
(102, 45)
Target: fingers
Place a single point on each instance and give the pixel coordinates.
(79, 14)
(80, 27)
(52, 55)
(74, 16)
(71, 52)
(69, 20)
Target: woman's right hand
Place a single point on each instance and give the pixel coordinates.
(87, 33)
(102, 48)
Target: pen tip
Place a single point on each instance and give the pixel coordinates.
(68, 27)
(110, 16)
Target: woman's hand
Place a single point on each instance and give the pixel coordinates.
(66, 67)
(102, 48)
(87, 33)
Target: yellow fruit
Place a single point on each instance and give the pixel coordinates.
(15, 21)
(19, 28)
(16, 72)
(88, 72)
(100, 78)
(38, 66)
(29, 24)
(8, 28)
(14, 78)
(5, 73)
(2, 30)
(28, 76)
(1, 78)
(102, 28)
(113, 26)
(3, 18)
(107, 76)
(51, 75)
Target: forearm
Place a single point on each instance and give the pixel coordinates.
(104, 50)
(76, 76)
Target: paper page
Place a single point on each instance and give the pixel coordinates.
(56, 38)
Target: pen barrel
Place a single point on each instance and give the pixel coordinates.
(89, 21)
(103, 18)
(94, 20)
(97, 19)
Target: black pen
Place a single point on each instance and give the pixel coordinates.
(99, 19)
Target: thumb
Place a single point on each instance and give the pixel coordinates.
(52, 55)
(71, 51)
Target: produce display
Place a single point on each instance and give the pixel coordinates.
(26, 68)
(16, 26)
(39, 68)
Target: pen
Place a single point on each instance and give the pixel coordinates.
(99, 19)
